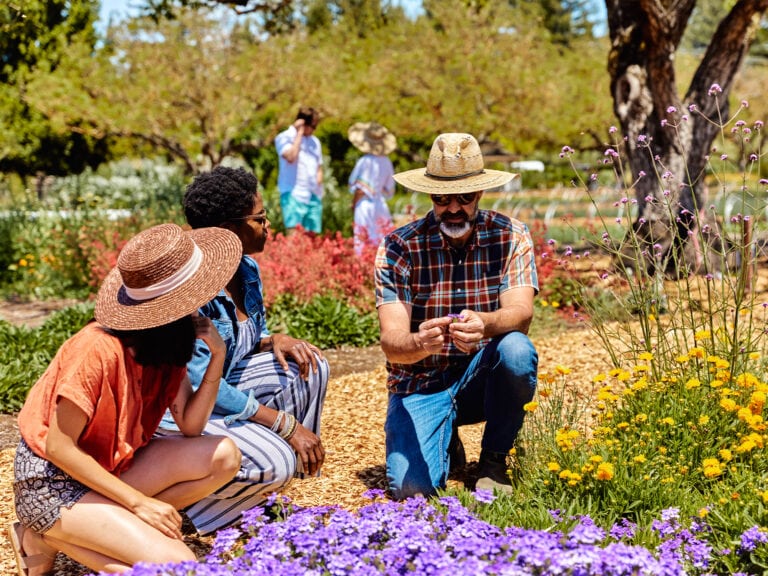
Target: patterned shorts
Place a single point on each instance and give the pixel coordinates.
(40, 489)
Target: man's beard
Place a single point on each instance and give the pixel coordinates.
(456, 229)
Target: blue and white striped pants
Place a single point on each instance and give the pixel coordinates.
(269, 462)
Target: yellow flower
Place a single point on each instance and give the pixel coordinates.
(669, 421)
(703, 420)
(746, 446)
(23, 262)
(544, 303)
(646, 356)
(651, 318)
(599, 378)
(640, 459)
(711, 467)
(764, 496)
(623, 376)
(754, 355)
(728, 405)
(622, 425)
(604, 471)
(641, 417)
(545, 392)
(756, 402)
(553, 466)
(530, 406)
(692, 383)
(562, 370)
(682, 359)
(725, 454)
(696, 352)
(702, 335)
(595, 458)
(555, 304)
(703, 512)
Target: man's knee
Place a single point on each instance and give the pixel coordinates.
(517, 354)
(407, 478)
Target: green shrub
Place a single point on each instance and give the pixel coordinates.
(26, 352)
(325, 321)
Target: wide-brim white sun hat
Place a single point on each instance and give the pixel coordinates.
(372, 138)
(165, 273)
(455, 166)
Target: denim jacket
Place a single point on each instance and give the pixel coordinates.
(230, 401)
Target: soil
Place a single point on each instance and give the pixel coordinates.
(352, 433)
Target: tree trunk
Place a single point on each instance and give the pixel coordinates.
(668, 162)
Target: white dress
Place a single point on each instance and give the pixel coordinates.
(372, 175)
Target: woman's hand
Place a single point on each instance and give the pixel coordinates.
(309, 450)
(206, 331)
(302, 352)
(160, 515)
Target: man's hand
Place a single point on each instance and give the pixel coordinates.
(299, 125)
(432, 334)
(466, 331)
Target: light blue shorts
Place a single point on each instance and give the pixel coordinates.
(309, 216)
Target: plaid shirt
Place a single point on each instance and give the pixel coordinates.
(416, 266)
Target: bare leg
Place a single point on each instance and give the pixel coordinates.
(107, 537)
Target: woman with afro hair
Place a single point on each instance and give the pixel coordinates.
(273, 386)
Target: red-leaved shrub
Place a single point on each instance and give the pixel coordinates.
(307, 265)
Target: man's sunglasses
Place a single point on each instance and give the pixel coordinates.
(445, 199)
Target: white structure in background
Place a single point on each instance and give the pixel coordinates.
(522, 166)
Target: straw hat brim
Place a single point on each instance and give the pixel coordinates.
(359, 137)
(222, 251)
(419, 181)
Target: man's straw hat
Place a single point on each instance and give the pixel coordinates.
(372, 138)
(164, 274)
(455, 166)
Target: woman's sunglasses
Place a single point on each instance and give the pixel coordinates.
(445, 199)
(260, 218)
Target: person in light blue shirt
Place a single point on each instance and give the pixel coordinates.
(273, 386)
(300, 173)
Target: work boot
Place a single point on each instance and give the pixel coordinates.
(457, 458)
(493, 472)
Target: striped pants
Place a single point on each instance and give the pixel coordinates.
(269, 462)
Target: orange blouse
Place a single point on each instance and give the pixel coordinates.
(123, 400)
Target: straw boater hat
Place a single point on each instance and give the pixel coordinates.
(164, 274)
(372, 138)
(455, 166)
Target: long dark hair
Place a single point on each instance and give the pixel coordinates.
(170, 344)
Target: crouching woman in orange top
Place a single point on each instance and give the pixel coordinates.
(90, 481)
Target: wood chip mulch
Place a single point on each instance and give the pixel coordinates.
(353, 434)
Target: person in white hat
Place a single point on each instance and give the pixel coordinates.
(454, 293)
(371, 183)
(89, 478)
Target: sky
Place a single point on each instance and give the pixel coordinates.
(121, 8)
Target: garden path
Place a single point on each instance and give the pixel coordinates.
(352, 433)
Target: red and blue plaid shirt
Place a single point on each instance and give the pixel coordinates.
(415, 265)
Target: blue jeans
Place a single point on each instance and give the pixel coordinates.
(499, 380)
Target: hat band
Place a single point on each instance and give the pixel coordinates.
(172, 282)
(459, 177)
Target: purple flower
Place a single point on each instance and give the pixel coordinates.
(671, 110)
(751, 539)
(484, 496)
(715, 89)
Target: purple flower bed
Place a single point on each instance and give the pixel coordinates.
(418, 536)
